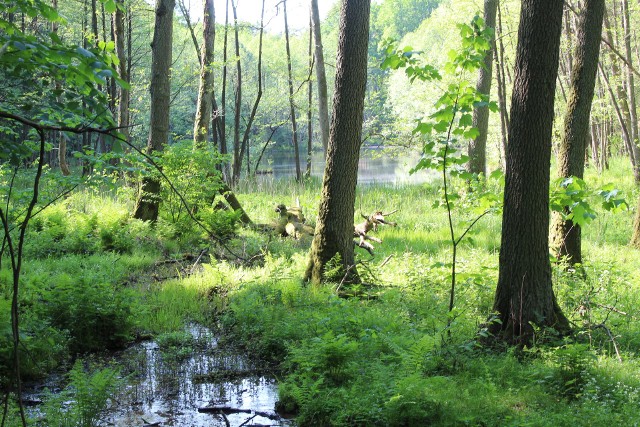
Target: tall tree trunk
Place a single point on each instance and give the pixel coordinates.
(123, 71)
(524, 294)
(192, 31)
(244, 147)
(619, 101)
(566, 235)
(62, 142)
(478, 147)
(334, 226)
(205, 90)
(148, 203)
(294, 127)
(626, 136)
(321, 77)
(221, 116)
(502, 86)
(309, 101)
(630, 83)
(237, 159)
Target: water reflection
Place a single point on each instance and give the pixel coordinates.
(164, 392)
(374, 167)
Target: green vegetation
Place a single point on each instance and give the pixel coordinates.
(382, 357)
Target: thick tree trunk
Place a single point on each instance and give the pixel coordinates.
(524, 295)
(149, 199)
(478, 147)
(334, 226)
(321, 77)
(292, 108)
(566, 235)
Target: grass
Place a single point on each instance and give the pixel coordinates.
(394, 356)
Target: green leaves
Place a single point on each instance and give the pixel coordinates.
(571, 197)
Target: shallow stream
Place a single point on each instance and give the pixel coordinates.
(203, 385)
(209, 387)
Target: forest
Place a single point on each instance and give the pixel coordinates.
(319, 213)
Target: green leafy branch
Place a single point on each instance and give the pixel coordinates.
(574, 200)
(452, 121)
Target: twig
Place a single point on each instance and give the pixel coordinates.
(613, 309)
(202, 252)
(386, 260)
(248, 419)
(612, 338)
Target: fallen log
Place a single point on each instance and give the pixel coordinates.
(228, 410)
(370, 223)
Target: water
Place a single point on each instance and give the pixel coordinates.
(167, 392)
(374, 167)
(192, 391)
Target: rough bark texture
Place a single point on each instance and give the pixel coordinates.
(321, 77)
(566, 235)
(149, 201)
(205, 90)
(524, 294)
(334, 226)
(478, 147)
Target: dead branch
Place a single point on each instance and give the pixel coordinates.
(612, 338)
(370, 222)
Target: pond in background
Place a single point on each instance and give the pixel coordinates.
(374, 167)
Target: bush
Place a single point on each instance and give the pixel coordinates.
(96, 316)
(84, 399)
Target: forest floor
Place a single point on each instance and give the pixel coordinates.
(388, 352)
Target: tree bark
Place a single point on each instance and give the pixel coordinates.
(237, 159)
(334, 226)
(321, 77)
(205, 90)
(294, 126)
(524, 294)
(148, 204)
(502, 87)
(566, 235)
(221, 116)
(244, 147)
(123, 71)
(478, 147)
(307, 172)
(619, 101)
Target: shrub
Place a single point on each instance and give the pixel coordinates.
(96, 316)
(84, 399)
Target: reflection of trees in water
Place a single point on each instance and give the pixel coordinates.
(374, 166)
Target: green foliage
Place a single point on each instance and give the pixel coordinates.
(84, 399)
(176, 345)
(571, 197)
(572, 373)
(95, 315)
(35, 64)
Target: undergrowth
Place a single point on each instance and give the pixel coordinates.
(96, 279)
